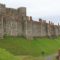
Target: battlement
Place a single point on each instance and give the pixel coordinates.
(2, 5)
(15, 22)
(2, 9)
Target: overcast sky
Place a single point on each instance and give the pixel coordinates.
(45, 9)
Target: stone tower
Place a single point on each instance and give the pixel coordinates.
(26, 24)
(23, 19)
(15, 22)
(2, 14)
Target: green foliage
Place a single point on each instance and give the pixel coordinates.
(21, 46)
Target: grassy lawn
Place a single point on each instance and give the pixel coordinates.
(21, 46)
(5, 55)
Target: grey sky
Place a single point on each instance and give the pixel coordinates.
(46, 9)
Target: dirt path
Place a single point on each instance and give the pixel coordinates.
(51, 57)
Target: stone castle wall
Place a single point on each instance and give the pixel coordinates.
(15, 22)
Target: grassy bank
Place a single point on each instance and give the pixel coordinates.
(5, 55)
(21, 46)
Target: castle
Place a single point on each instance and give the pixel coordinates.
(15, 22)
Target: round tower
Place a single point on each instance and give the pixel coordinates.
(22, 11)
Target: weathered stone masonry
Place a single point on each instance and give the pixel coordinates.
(15, 22)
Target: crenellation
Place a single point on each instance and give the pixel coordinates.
(49, 22)
(44, 21)
(31, 18)
(40, 20)
(2, 5)
(15, 22)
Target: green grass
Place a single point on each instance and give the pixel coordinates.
(5, 55)
(21, 46)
